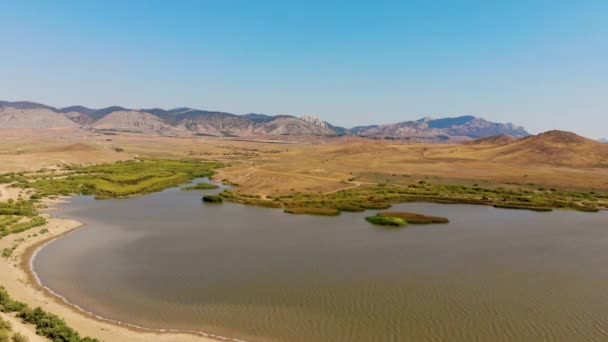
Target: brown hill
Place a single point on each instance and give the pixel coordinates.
(72, 148)
(493, 140)
(554, 148)
(36, 118)
(134, 121)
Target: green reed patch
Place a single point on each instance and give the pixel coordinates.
(122, 179)
(381, 196)
(314, 211)
(386, 221)
(414, 218)
(212, 199)
(200, 186)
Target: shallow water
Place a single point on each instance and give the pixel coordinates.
(167, 260)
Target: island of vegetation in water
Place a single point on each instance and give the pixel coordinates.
(313, 211)
(213, 199)
(381, 196)
(200, 186)
(414, 218)
(386, 221)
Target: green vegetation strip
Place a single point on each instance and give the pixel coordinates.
(18, 216)
(47, 324)
(414, 218)
(200, 186)
(213, 199)
(386, 221)
(314, 211)
(382, 195)
(120, 179)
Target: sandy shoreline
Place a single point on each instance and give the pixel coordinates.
(17, 276)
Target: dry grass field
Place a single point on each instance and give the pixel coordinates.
(309, 164)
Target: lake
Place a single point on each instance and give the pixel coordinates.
(168, 260)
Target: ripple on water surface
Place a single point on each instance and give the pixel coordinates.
(166, 260)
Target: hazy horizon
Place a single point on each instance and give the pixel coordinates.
(539, 65)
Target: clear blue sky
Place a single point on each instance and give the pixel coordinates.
(542, 64)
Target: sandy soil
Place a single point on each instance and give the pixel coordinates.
(16, 277)
(261, 167)
(26, 330)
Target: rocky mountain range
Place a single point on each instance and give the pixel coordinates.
(462, 128)
(189, 121)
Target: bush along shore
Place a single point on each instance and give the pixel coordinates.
(47, 324)
(6, 333)
(213, 199)
(381, 196)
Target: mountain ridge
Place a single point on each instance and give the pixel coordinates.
(188, 121)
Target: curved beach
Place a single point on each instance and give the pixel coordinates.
(21, 283)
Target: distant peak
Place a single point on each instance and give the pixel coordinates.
(425, 119)
(313, 120)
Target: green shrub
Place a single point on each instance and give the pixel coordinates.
(4, 325)
(7, 252)
(47, 324)
(5, 335)
(213, 199)
(17, 337)
(386, 221)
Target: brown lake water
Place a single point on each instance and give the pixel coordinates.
(167, 260)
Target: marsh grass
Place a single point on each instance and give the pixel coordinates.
(527, 207)
(122, 179)
(313, 211)
(381, 196)
(200, 186)
(414, 218)
(386, 221)
(212, 199)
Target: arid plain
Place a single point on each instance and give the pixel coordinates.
(322, 164)
(269, 166)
